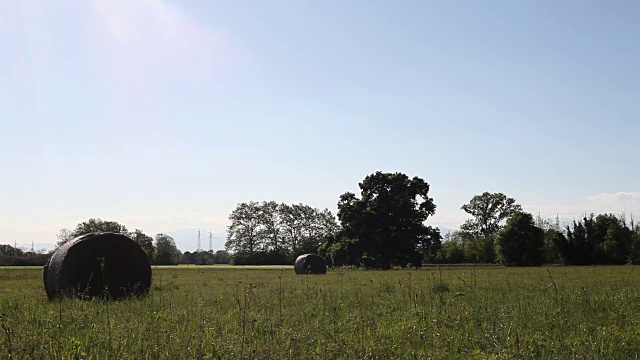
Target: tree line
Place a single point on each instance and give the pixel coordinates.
(382, 228)
(15, 256)
(385, 226)
(500, 232)
(276, 233)
(160, 250)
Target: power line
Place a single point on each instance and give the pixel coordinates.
(199, 246)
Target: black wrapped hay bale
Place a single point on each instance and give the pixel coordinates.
(310, 264)
(98, 264)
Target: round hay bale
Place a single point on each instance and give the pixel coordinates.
(99, 264)
(310, 264)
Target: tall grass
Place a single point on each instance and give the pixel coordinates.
(438, 313)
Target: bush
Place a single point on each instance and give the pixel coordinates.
(261, 258)
(32, 260)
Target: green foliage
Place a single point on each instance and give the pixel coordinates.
(166, 251)
(520, 242)
(8, 250)
(601, 239)
(222, 257)
(385, 227)
(266, 232)
(63, 237)
(261, 258)
(480, 250)
(456, 249)
(98, 225)
(199, 257)
(464, 312)
(488, 211)
(340, 251)
(552, 231)
(14, 256)
(243, 235)
(92, 225)
(145, 242)
(451, 252)
(552, 253)
(206, 257)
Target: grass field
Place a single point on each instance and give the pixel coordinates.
(233, 313)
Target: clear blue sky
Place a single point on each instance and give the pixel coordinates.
(163, 115)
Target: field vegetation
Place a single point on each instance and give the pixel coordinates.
(461, 312)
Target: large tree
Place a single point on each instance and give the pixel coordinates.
(520, 242)
(93, 225)
(243, 235)
(99, 225)
(146, 243)
(488, 210)
(167, 252)
(386, 225)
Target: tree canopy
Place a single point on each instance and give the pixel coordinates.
(520, 242)
(146, 243)
(592, 240)
(93, 225)
(97, 225)
(601, 239)
(385, 227)
(273, 233)
(166, 251)
(488, 211)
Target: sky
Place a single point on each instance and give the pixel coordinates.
(163, 115)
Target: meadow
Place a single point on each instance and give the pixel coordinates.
(462, 312)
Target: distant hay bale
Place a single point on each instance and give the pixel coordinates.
(99, 264)
(310, 264)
